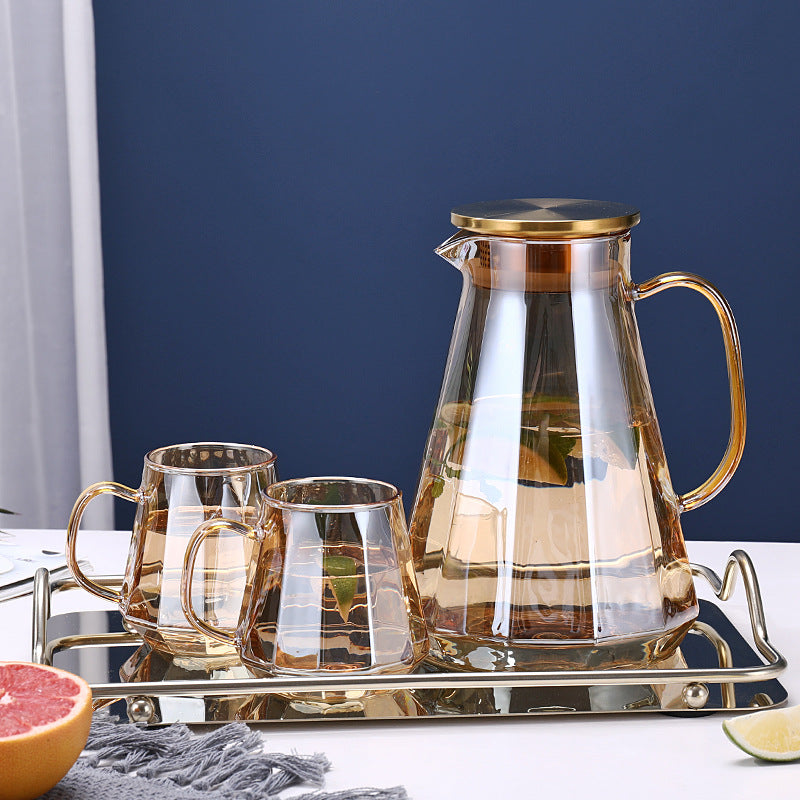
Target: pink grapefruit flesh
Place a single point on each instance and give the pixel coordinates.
(45, 714)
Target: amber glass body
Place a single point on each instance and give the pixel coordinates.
(546, 531)
(183, 486)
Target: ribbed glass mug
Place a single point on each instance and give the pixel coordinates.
(333, 589)
(183, 486)
(546, 530)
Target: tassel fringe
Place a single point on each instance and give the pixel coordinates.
(227, 763)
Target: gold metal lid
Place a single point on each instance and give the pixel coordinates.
(552, 218)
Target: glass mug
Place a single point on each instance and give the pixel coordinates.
(183, 486)
(334, 586)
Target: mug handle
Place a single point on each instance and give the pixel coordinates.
(95, 490)
(733, 356)
(187, 576)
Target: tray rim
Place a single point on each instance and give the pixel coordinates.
(738, 563)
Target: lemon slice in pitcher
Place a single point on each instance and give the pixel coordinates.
(533, 466)
(772, 735)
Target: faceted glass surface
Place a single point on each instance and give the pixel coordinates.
(545, 529)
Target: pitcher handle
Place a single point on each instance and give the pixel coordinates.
(198, 537)
(86, 496)
(733, 356)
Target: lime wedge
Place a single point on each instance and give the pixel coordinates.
(342, 573)
(772, 735)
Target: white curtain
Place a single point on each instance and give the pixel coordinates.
(54, 427)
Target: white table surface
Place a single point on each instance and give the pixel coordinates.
(647, 756)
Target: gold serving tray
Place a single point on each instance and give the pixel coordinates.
(715, 669)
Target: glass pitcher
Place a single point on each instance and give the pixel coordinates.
(545, 530)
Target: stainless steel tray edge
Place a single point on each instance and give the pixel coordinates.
(695, 681)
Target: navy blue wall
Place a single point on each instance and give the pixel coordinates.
(275, 176)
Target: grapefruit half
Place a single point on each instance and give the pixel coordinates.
(45, 714)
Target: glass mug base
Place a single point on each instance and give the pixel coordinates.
(339, 669)
(470, 654)
(182, 642)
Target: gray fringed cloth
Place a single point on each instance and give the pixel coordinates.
(121, 760)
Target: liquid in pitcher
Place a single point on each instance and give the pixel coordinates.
(533, 537)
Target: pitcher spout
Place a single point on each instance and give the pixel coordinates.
(457, 249)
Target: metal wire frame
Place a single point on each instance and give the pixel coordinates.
(739, 563)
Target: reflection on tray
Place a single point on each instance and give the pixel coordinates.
(96, 646)
(714, 669)
(146, 665)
